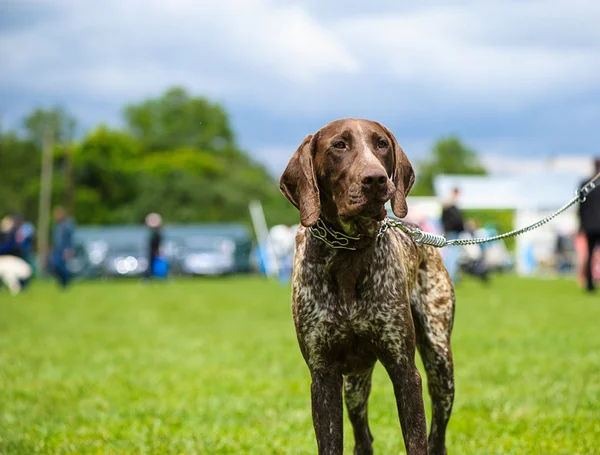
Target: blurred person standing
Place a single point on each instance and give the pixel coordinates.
(8, 237)
(453, 225)
(154, 223)
(63, 245)
(23, 236)
(24, 231)
(589, 222)
(8, 241)
(474, 255)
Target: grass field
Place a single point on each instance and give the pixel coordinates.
(212, 367)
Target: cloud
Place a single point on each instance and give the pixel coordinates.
(508, 75)
(464, 54)
(283, 55)
(128, 48)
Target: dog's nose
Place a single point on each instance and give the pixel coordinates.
(374, 180)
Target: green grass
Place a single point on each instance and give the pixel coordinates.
(213, 367)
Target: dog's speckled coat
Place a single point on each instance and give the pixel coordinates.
(352, 308)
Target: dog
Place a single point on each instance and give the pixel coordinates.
(362, 294)
(13, 269)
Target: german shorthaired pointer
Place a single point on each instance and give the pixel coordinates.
(354, 307)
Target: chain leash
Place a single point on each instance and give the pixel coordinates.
(339, 240)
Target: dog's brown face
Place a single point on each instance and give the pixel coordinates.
(347, 171)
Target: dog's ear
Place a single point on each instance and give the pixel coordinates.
(403, 177)
(298, 183)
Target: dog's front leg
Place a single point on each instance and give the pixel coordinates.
(397, 354)
(327, 411)
(409, 399)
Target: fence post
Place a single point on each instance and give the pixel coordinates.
(264, 242)
(43, 228)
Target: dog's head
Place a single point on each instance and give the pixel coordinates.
(346, 172)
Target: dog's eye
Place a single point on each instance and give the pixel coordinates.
(382, 144)
(340, 145)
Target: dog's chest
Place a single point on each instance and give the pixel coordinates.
(350, 293)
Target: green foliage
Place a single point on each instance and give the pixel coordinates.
(184, 160)
(57, 120)
(104, 166)
(449, 156)
(177, 156)
(213, 367)
(502, 220)
(20, 164)
(177, 120)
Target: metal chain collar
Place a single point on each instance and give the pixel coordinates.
(332, 238)
(338, 240)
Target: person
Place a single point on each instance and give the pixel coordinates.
(23, 238)
(8, 240)
(63, 246)
(453, 225)
(154, 223)
(24, 233)
(589, 222)
(474, 255)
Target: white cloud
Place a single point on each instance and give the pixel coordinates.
(279, 55)
(424, 68)
(131, 47)
(469, 53)
(503, 165)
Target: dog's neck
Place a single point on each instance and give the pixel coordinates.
(345, 268)
(353, 227)
(346, 236)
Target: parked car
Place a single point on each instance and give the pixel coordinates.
(210, 243)
(125, 260)
(207, 255)
(196, 249)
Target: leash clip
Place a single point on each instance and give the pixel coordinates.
(583, 192)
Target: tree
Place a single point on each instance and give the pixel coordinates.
(178, 156)
(176, 120)
(20, 165)
(61, 126)
(19, 175)
(192, 166)
(449, 156)
(61, 123)
(105, 164)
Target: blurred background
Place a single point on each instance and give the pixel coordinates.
(192, 109)
(145, 139)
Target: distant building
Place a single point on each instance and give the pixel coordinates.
(533, 194)
(500, 165)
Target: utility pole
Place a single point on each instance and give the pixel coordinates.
(69, 179)
(45, 200)
(68, 169)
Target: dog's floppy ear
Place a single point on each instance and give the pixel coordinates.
(298, 183)
(403, 177)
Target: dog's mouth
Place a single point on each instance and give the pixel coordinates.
(360, 211)
(369, 210)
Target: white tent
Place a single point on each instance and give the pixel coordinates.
(533, 196)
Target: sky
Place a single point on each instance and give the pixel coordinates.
(514, 80)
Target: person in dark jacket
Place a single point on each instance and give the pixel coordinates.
(453, 224)
(63, 245)
(154, 222)
(8, 242)
(589, 219)
(24, 232)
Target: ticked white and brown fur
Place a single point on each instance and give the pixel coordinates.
(377, 303)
